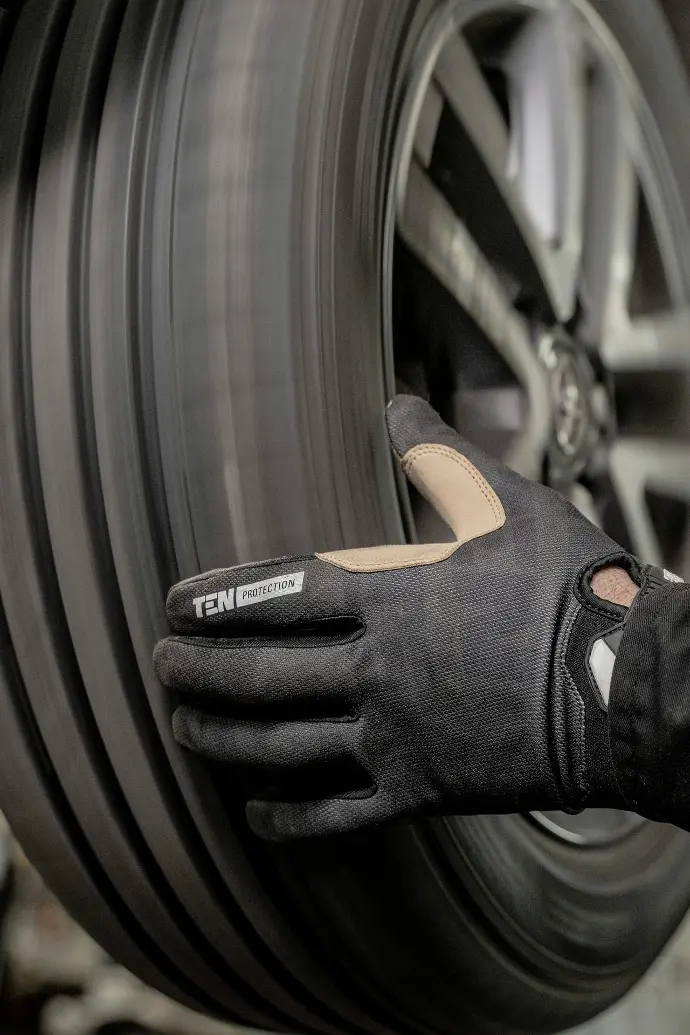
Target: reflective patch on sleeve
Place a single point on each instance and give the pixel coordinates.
(601, 664)
(601, 661)
(670, 577)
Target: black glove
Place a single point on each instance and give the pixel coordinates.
(467, 677)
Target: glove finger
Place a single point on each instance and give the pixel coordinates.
(291, 592)
(443, 468)
(270, 745)
(265, 675)
(288, 821)
(412, 423)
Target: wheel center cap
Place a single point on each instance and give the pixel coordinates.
(575, 427)
(570, 404)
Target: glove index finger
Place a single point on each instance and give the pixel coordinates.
(272, 594)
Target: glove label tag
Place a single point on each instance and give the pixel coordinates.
(270, 589)
(214, 604)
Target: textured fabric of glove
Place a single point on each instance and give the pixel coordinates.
(650, 713)
(363, 686)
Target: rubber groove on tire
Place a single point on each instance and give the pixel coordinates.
(57, 706)
(119, 377)
(78, 532)
(30, 68)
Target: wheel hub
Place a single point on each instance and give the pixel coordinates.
(579, 405)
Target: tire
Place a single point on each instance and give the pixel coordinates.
(123, 1029)
(192, 212)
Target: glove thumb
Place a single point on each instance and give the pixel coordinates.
(413, 422)
(459, 480)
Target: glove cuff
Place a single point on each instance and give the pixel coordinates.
(649, 712)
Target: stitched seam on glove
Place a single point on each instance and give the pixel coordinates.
(449, 500)
(580, 769)
(435, 555)
(457, 458)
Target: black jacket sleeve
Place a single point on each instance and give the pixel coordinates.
(649, 715)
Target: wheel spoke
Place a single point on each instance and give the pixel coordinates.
(466, 90)
(427, 127)
(581, 497)
(639, 465)
(536, 170)
(612, 208)
(547, 74)
(476, 150)
(439, 240)
(657, 342)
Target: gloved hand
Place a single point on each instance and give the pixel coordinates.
(461, 678)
